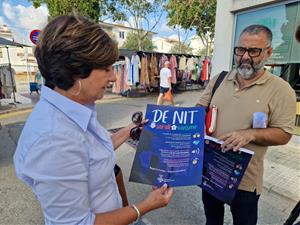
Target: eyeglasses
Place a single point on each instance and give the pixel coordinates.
(253, 52)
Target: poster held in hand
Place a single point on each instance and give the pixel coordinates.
(223, 171)
(170, 149)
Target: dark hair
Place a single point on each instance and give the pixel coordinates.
(297, 34)
(256, 29)
(70, 47)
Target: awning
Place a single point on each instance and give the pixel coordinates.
(7, 43)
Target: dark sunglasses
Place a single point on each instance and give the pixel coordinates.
(135, 132)
(137, 117)
(253, 52)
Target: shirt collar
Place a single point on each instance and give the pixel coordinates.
(266, 76)
(80, 114)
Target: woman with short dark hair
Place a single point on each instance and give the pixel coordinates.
(63, 153)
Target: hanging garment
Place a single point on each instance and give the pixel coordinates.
(182, 63)
(186, 75)
(121, 84)
(116, 84)
(135, 65)
(195, 75)
(128, 70)
(144, 77)
(8, 81)
(191, 64)
(162, 61)
(173, 67)
(205, 69)
(153, 71)
(125, 84)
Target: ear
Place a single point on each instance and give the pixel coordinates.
(269, 52)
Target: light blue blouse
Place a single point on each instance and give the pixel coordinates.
(67, 158)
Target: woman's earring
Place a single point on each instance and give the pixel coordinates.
(78, 92)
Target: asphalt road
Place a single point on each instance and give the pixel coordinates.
(19, 206)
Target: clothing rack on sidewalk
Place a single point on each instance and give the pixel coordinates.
(143, 77)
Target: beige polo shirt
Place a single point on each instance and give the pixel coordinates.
(269, 94)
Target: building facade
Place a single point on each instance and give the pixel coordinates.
(197, 46)
(119, 32)
(282, 17)
(164, 44)
(22, 59)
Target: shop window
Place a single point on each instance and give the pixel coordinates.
(282, 20)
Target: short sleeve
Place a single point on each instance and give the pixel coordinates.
(283, 108)
(57, 164)
(205, 97)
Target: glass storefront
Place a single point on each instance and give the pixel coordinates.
(283, 21)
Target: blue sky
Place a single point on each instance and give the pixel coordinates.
(21, 17)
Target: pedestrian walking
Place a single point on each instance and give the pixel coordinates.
(165, 84)
(64, 154)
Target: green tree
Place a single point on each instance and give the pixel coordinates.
(94, 9)
(131, 43)
(201, 51)
(194, 14)
(181, 48)
(140, 11)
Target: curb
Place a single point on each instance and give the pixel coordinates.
(4, 112)
(13, 109)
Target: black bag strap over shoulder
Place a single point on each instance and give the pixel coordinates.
(218, 82)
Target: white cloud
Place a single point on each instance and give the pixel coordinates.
(164, 28)
(25, 17)
(21, 19)
(2, 21)
(8, 11)
(31, 18)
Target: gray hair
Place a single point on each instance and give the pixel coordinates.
(256, 29)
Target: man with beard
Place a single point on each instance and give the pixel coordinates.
(255, 110)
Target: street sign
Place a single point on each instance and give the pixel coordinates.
(34, 36)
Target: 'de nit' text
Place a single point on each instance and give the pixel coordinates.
(179, 117)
